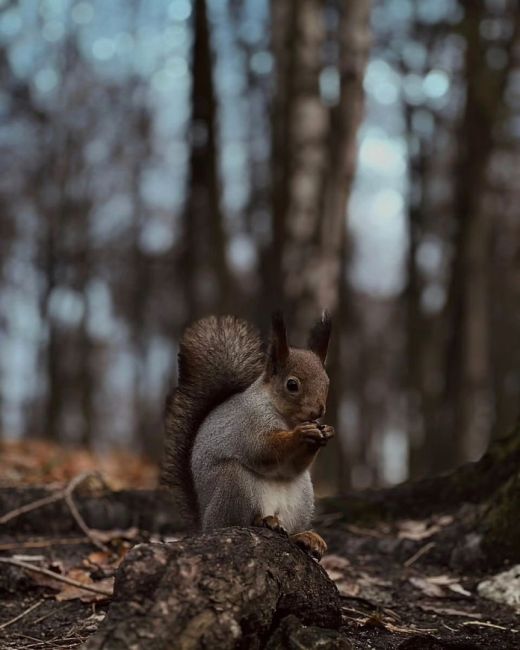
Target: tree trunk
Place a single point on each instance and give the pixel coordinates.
(467, 392)
(308, 124)
(501, 523)
(327, 283)
(227, 589)
(314, 157)
(314, 153)
(203, 261)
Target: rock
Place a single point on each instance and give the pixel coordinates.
(503, 588)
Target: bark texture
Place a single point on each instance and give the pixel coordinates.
(227, 589)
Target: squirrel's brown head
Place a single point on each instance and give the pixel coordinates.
(297, 377)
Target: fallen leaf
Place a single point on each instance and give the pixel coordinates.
(416, 530)
(428, 588)
(335, 566)
(106, 536)
(448, 611)
(99, 558)
(459, 589)
(348, 588)
(439, 586)
(442, 580)
(70, 592)
(444, 520)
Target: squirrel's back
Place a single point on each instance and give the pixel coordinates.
(218, 357)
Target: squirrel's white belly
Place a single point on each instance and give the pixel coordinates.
(283, 499)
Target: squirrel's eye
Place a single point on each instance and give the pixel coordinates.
(292, 385)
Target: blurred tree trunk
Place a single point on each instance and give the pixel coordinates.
(86, 371)
(283, 33)
(505, 317)
(314, 159)
(422, 343)
(415, 325)
(330, 287)
(140, 289)
(7, 233)
(305, 128)
(467, 391)
(203, 261)
(52, 216)
(87, 375)
(314, 153)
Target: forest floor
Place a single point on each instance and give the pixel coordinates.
(408, 584)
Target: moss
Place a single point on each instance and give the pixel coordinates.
(501, 523)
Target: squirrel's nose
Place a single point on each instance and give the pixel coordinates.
(319, 412)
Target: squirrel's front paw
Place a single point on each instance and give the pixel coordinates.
(314, 434)
(326, 431)
(271, 522)
(311, 543)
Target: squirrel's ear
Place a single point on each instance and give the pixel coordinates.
(278, 346)
(319, 336)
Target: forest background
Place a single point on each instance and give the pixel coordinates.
(161, 160)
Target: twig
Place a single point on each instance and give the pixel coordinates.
(39, 503)
(55, 576)
(486, 624)
(53, 612)
(75, 512)
(66, 495)
(24, 613)
(422, 551)
(42, 543)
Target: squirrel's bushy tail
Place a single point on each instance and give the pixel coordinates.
(218, 357)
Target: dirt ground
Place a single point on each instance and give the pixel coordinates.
(411, 583)
(391, 600)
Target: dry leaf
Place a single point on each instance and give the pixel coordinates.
(416, 530)
(442, 580)
(335, 566)
(69, 592)
(99, 558)
(348, 588)
(107, 536)
(459, 589)
(428, 588)
(435, 586)
(444, 520)
(448, 611)
(31, 462)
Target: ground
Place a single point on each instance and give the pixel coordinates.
(408, 583)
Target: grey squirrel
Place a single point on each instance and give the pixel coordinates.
(242, 430)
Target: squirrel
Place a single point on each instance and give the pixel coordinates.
(242, 427)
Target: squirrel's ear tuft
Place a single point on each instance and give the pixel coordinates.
(278, 346)
(320, 335)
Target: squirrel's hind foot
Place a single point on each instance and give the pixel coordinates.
(271, 522)
(311, 543)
